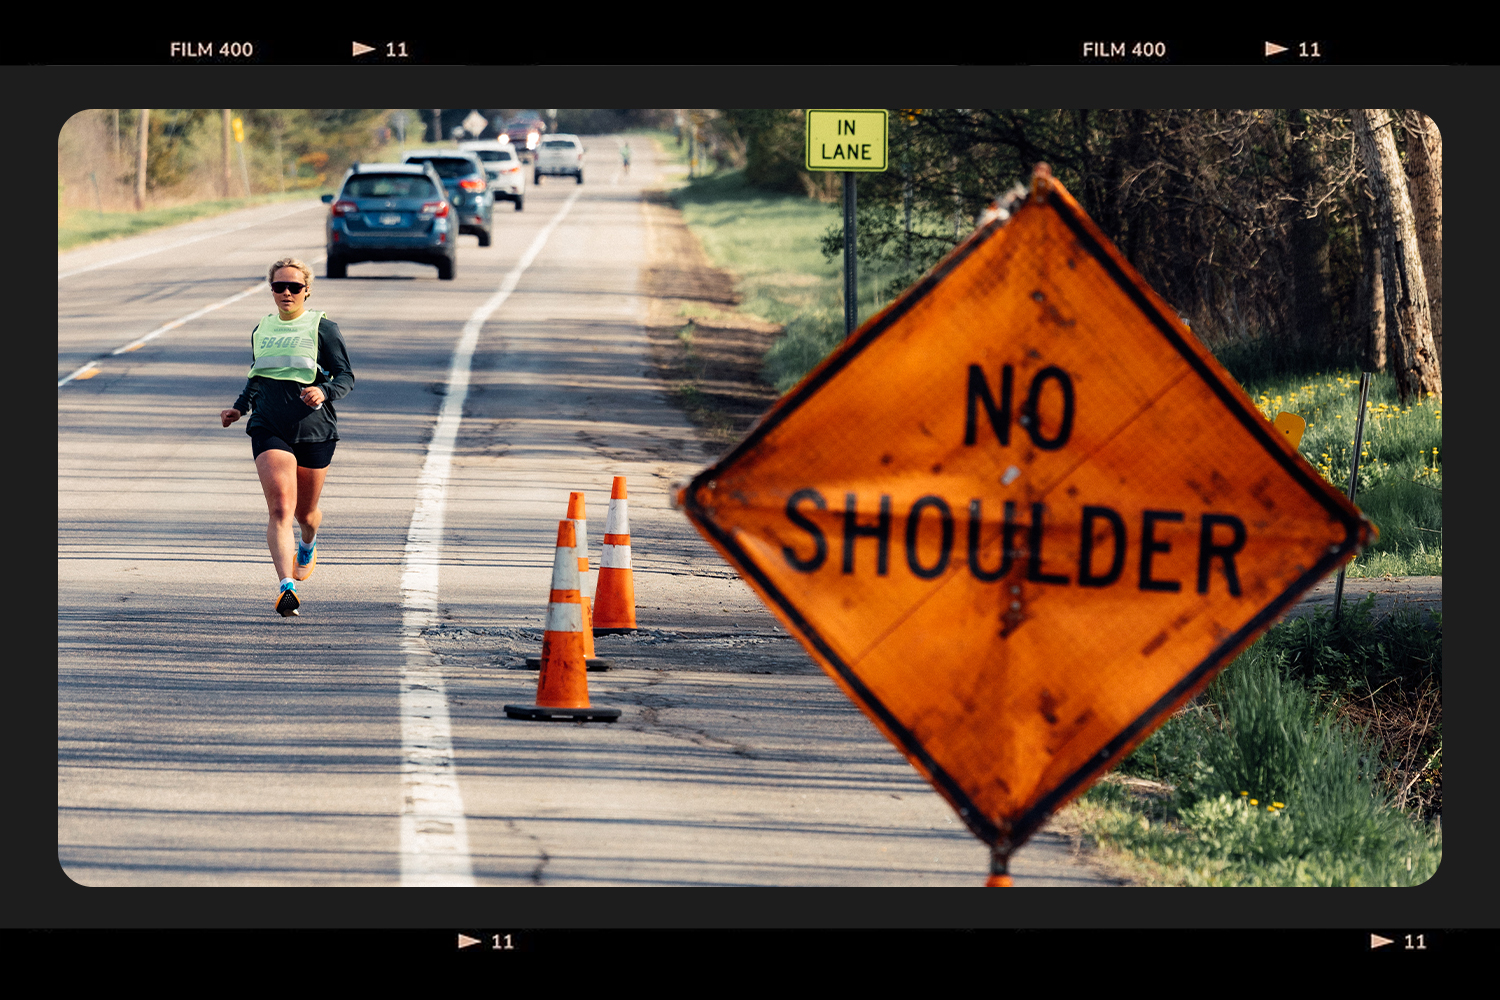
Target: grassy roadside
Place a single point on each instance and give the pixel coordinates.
(1290, 770)
(81, 227)
(772, 244)
(768, 241)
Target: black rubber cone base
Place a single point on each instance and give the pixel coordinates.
(592, 663)
(538, 713)
(614, 631)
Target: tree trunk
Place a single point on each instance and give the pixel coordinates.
(1311, 274)
(1407, 323)
(1369, 311)
(1424, 174)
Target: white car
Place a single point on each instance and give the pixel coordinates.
(502, 164)
(559, 155)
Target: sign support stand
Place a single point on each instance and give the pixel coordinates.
(1359, 436)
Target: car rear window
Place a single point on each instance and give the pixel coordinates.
(389, 186)
(492, 155)
(559, 144)
(449, 166)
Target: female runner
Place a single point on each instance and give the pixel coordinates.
(300, 367)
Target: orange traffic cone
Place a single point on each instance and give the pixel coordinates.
(614, 601)
(562, 690)
(581, 527)
(576, 514)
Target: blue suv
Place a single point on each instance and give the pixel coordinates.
(468, 188)
(391, 211)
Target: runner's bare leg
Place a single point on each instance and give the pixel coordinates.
(309, 491)
(278, 480)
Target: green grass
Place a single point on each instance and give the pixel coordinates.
(666, 144)
(1268, 779)
(80, 227)
(773, 244)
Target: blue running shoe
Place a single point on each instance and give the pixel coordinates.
(307, 558)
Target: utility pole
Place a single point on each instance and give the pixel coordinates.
(224, 188)
(143, 131)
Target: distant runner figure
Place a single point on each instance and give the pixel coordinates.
(625, 156)
(300, 365)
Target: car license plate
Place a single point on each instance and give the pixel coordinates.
(390, 220)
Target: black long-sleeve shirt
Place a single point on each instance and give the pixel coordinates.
(275, 405)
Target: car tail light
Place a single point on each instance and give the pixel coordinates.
(344, 207)
(435, 208)
(472, 184)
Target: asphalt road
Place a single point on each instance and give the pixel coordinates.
(203, 740)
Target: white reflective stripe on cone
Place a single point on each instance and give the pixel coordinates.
(581, 546)
(616, 520)
(564, 569)
(615, 557)
(564, 617)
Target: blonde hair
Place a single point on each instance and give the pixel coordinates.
(292, 262)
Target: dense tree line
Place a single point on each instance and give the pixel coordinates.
(284, 149)
(1283, 226)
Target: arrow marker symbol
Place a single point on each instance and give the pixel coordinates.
(360, 48)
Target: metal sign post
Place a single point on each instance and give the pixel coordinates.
(851, 262)
(1359, 437)
(848, 141)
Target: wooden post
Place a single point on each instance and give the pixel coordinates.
(224, 187)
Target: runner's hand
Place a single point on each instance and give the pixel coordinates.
(313, 396)
(229, 416)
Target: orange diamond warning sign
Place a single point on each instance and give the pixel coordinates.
(1021, 515)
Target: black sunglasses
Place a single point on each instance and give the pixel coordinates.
(295, 287)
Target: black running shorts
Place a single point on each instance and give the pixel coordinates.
(310, 454)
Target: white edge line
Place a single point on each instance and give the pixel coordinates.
(434, 831)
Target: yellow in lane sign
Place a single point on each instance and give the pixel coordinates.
(846, 140)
